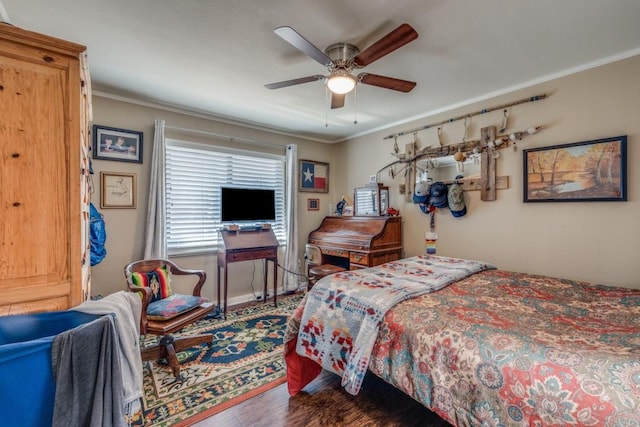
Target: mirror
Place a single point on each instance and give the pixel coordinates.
(371, 200)
(446, 169)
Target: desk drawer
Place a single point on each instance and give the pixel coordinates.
(359, 258)
(252, 254)
(335, 252)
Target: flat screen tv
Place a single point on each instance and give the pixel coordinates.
(247, 204)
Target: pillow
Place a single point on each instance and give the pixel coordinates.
(158, 280)
(173, 306)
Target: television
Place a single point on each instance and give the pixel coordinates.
(247, 204)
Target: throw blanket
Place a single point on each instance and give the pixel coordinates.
(127, 308)
(343, 312)
(87, 373)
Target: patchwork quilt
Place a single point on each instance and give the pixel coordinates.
(343, 312)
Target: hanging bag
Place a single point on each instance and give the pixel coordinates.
(97, 235)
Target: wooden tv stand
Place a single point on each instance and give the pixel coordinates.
(246, 245)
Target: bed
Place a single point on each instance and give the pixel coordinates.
(480, 346)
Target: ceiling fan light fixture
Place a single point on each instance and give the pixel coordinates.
(341, 82)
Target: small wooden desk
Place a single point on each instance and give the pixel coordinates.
(246, 245)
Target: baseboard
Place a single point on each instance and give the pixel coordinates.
(241, 299)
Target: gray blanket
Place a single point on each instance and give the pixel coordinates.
(86, 369)
(127, 308)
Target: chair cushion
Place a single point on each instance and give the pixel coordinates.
(159, 280)
(173, 306)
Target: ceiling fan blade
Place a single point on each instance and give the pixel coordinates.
(293, 82)
(337, 100)
(392, 41)
(294, 38)
(386, 82)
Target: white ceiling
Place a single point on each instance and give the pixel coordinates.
(214, 57)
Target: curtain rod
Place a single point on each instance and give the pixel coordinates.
(222, 136)
(466, 116)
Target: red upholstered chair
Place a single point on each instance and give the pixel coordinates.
(164, 311)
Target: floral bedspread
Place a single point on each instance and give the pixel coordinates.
(510, 349)
(340, 323)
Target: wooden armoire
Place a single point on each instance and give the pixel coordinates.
(43, 173)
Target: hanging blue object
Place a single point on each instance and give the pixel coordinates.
(97, 236)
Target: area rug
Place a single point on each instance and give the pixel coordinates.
(246, 359)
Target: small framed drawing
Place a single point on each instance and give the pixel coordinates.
(347, 210)
(117, 144)
(118, 190)
(313, 204)
(585, 171)
(313, 176)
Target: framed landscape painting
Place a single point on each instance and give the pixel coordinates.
(581, 171)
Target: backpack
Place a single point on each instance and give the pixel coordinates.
(97, 235)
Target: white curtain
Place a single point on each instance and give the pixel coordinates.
(155, 239)
(291, 277)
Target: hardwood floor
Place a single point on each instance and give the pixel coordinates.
(325, 403)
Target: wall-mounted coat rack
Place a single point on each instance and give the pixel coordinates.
(468, 116)
(485, 147)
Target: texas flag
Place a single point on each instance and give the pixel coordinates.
(313, 176)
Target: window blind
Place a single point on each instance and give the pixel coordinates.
(194, 175)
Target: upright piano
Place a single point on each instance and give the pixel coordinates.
(354, 242)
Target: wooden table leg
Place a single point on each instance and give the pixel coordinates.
(219, 299)
(265, 284)
(275, 281)
(226, 269)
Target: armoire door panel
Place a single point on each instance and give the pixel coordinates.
(35, 229)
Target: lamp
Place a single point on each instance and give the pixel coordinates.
(341, 82)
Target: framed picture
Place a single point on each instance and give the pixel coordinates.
(313, 176)
(313, 204)
(117, 144)
(347, 210)
(118, 190)
(581, 171)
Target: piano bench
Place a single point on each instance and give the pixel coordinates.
(317, 272)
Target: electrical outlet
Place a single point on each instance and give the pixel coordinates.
(259, 296)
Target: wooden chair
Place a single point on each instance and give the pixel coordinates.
(168, 345)
(317, 272)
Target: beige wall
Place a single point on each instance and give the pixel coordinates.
(125, 227)
(592, 241)
(597, 241)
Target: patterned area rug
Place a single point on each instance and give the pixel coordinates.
(244, 360)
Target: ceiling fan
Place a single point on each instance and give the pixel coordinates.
(342, 58)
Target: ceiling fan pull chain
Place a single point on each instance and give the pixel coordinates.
(355, 108)
(327, 100)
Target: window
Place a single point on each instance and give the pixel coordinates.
(194, 175)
